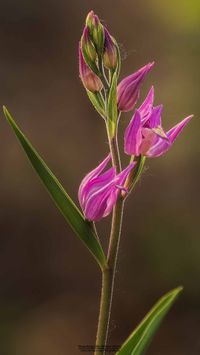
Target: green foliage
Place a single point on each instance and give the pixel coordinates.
(83, 229)
(141, 337)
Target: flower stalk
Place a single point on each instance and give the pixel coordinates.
(108, 275)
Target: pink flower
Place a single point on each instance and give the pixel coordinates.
(145, 135)
(98, 193)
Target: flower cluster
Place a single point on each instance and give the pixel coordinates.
(144, 136)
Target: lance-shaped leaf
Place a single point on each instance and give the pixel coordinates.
(112, 111)
(141, 337)
(70, 211)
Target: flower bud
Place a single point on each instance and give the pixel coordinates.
(89, 79)
(110, 52)
(96, 31)
(87, 45)
(128, 90)
(90, 19)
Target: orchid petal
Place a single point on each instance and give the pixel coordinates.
(102, 197)
(121, 177)
(176, 130)
(162, 145)
(97, 203)
(159, 148)
(93, 174)
(148, 140)
(97, 183)
(133, 135)
(146, 108)
(119, 181)
(155, 117)
(128, 90)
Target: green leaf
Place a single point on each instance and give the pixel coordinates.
(139, 340)
(97, 102)
(112, 111)
(70, 211)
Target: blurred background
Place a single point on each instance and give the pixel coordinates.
(49, 283)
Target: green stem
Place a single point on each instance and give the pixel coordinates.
(108, 275)
(102, 75)
(114, 149)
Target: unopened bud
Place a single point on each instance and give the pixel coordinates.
(87, 45)
(89, 19)
(89, 79)
(128, 90)
(96, 31)
(110, 52)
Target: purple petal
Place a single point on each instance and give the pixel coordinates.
(121, 177)
(101, 202)
(118, 185)
(97, 183)
(111, 201)
(93, 174)
(133, 135)
(146, 107)
(159, 148)
(155, 117)
(128, 89)
(162, 145)
(148, 140)
(96, 205)
(176, 130)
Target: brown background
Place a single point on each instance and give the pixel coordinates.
(49, 283)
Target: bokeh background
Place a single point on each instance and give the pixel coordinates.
(49, 283)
